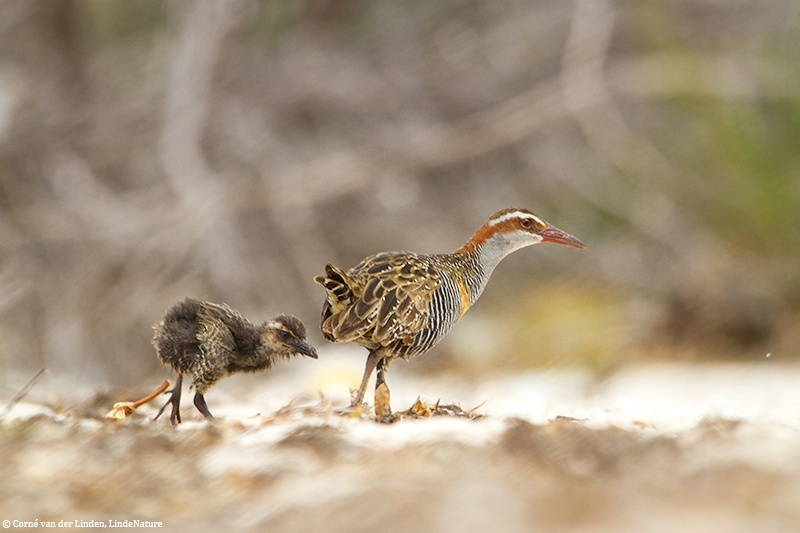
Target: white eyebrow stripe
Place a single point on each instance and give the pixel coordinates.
(517, 214)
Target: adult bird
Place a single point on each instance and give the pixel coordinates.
(400, 304)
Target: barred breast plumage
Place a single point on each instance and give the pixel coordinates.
(403, 301)
(399, 304)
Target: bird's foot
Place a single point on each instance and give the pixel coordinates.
(357, 395)
(175, 415)
(200, 403)
(175, 400)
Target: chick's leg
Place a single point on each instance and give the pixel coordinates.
(175, 400)
(200, 403)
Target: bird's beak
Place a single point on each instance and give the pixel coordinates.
(303, 348)
(556, 236)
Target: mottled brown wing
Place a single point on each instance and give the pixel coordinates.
(394, 294)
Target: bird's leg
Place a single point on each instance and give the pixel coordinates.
(200, 403)
(356, 397)
(175, 400)
(380, 375)
(383, 406)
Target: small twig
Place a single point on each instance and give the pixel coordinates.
(288, 408)
(123, 410)
(152, 395)
(472, 411)
(21, 394)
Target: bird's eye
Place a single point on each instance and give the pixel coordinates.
(527, 222)
(284, 334)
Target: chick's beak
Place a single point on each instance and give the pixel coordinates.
(303, 348)
(556, 236)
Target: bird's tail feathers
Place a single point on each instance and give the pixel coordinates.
(336, 282)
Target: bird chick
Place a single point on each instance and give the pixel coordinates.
(400, 304)
(210, 341)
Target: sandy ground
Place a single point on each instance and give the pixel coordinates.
(657, 448)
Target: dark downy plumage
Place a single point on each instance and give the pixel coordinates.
(210, 341)
(400, 304)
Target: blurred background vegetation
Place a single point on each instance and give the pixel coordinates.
(228, 149)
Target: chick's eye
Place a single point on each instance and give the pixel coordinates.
(527, 222)
(284, 334)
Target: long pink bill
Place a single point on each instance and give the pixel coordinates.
(556, 236)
